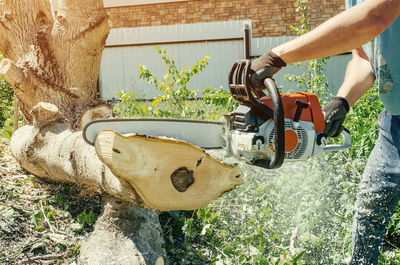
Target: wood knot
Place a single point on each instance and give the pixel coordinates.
(6, 15)
(182, 179)
(42, 19)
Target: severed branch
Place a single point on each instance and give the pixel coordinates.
(168, 174)
(98, 112)
(11, 72)
(44, 114)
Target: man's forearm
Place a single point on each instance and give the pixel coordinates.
(358, 79)
(344, 32)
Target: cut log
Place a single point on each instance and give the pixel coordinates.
(168, 174)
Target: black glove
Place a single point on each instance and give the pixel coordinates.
(335, 114)
(264, 67)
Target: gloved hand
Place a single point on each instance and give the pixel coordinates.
(264, 67)
(335, 114)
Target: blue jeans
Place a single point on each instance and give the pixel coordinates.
(379, 193)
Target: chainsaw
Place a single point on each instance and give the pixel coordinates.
(265, 130)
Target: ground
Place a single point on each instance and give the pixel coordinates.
(41, 222)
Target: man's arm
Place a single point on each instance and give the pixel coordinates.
(344, 32)
(358, 79)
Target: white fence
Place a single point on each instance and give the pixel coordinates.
(222, 41)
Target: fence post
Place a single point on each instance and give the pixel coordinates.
(246, 39)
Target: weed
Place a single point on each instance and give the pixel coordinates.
(87, 219)
(74, 251)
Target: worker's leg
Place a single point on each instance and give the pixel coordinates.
(379, 193)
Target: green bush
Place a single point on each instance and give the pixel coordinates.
(6, 101)
(174, 92)
(176, 99)
(362, 122)
(6, 108)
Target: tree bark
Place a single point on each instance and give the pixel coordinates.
(59, 154)
(121, 228)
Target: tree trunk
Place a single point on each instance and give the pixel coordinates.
(121, 228)
(53, 62)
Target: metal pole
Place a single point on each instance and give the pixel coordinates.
(246, 40)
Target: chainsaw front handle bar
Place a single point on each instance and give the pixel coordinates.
(345, 145)
(279, 122)
(240, 88)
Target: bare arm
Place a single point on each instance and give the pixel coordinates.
(358, 79)
(344, 32)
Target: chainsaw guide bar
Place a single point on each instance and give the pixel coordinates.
(204, 134)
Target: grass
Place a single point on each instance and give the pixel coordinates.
(299, 211)
(41, 221)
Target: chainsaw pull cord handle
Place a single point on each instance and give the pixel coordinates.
(279, 122)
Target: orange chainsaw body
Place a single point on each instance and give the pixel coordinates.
(312, 114)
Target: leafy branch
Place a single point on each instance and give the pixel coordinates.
(313, 79)
(173, 84)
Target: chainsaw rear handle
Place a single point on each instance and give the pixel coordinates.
(345, 145)
(239, 86)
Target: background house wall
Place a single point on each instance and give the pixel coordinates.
(270, 18)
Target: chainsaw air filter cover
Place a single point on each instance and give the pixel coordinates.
(299, 139)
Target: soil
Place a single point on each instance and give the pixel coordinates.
(41, 222)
